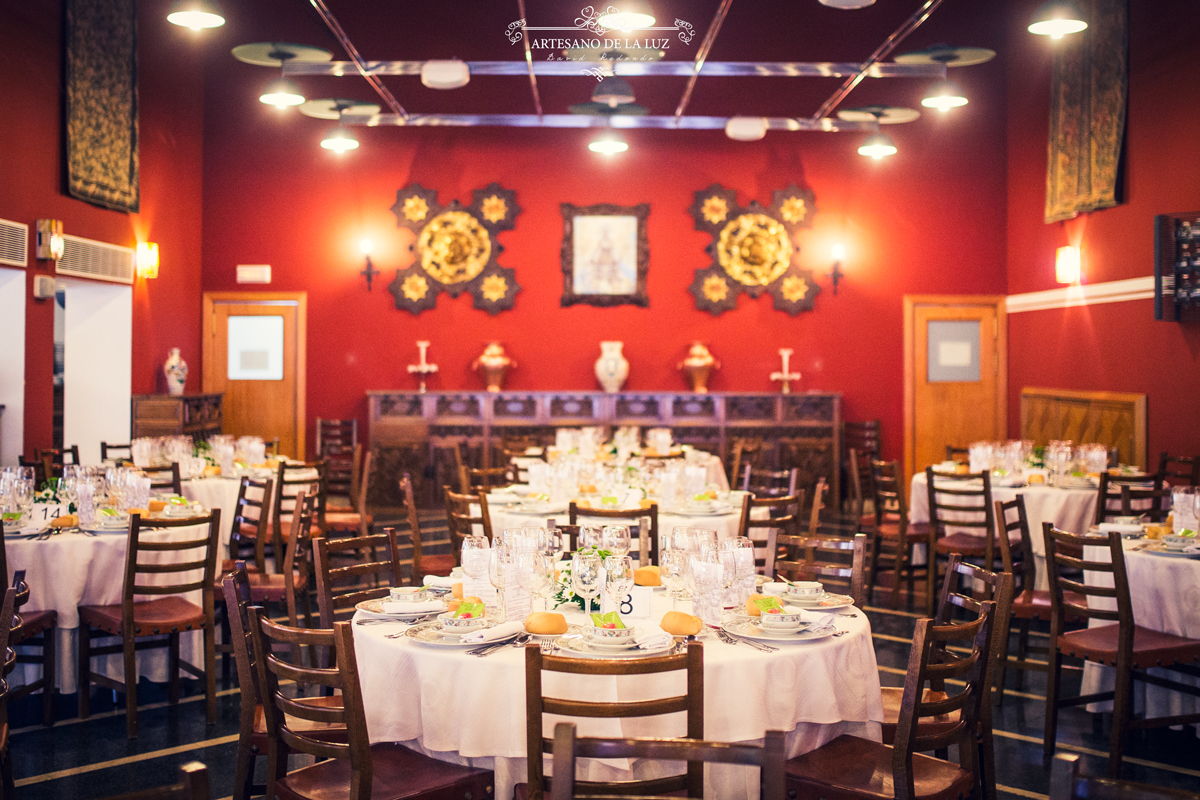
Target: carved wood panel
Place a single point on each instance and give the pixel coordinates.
(1113, 419)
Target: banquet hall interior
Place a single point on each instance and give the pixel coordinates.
(873, 290)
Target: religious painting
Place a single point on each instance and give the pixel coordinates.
(605, 255)
(753, 250)
(455, 249)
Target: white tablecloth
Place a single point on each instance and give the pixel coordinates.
(69, 570)
(1165, 594)
(471, 710)
(1068, 509)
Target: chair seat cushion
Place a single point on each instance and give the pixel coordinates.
(229, 565)
(891, 530)
(1035, 604)
(963, 543)
(33, 624)
(1150, 648)
(521, 791)
(927, 726)
(150, 617)
(267, 586)
(346, 519)
(850, 767)
(297, 724)
(439, 564)
(398, 773)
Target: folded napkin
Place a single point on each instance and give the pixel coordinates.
(499, 633)
(817, 620)
(441, 582)
(797, 610)
(424, 607)
(654, 638)
(774, 589)
(1119, 527)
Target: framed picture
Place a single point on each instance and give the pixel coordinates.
(605, 255)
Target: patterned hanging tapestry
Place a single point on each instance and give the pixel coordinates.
(1087, 113)
(102, 103)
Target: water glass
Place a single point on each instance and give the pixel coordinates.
(475, 556)
(706, 595)
(618, 577)
(615, 539)
(673, 568)
(585, 576)
(498, 567)
(591, 537)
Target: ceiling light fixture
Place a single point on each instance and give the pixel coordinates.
(281, 93)
(340, 138)
(446, 74)
(1056, 19)
(613, 91)
(636, 15)
(944, 95)
(196, 14)
(877, 145)
(746, 129)
(609, 144)
(848, 4)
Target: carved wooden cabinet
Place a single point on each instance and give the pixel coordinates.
(195, 415)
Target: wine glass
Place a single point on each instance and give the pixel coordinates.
(550, 543)
(474, 556)
(498, 569)
(618, 577)
(742, 548)
(673, 565)
(541, 576)
(590, 537)
(615, 539)
(585, 577)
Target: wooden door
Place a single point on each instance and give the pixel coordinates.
(254, 352)
(955, 382)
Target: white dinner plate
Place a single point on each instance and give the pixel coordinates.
(540, 508)
(431, 633)
(579, 647)
(716, 510)
(374, 608)
(628, 644)
(502, 498)
(828, 602)
(550, 637)
(97, 528)
(748, 630)
(1162, 551)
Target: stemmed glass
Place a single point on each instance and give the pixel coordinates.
(550, 544)
(618, 577)
(742, 548)
(590, 536)
(673, 566)
(541, 576)
(474, 556)
(585, 577)
(498, 569)
(615, 539)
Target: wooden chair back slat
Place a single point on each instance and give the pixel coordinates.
(824, 557)
(1057, 562)
(770, 483)
(633, 518)
(339, 589)
(891, 504)
(783, 518)
(1179, 470)
(119, 452)
(462, 522)
(1116, 494)
(251, 519)
(336, 432)
(207, 562)
(1018, 560)
(284, 501)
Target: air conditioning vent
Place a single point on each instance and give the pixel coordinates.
(85, 258)
(14, 243)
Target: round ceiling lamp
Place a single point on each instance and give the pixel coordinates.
(605, 110)
(884, 115)
(446, 74)
(1057, 19)
(950, 55)
(877, 146)
(848, 4)
(608, 144)
(281, 93)
(613, 91)
(635, 15)
(944, 95)
(335, 108)
(196, 14)
(746, 129)
(339, 140)
(275, 54)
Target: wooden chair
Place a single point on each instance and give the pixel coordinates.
(1067, 782)
(340, 588)
(142, 624)
(850, 767)
(538, 703)
(783, 514)
(633, 518)
(342, 474)
(249, 536)
(422, 563)
(447, 466)
(858, 482)
(120, 452)
(336, 432)
(1117, 494)
(462, 522)
(471, 480)
(769, 758)
(957, 593)
(38, 631)
(571, 532)
(956, 501)
(862, 436)
(358, 521)
(894, 538)
(252, 729)
(287, 485)
(818, 558)
(166, 479)
(745, 452)
(67, 455)
(192, 785)
(357, 769)
(957, 453)
(770, 483)
(1131, 648)
(39, 469)
(1028, 603)
(8, 662)
(1179, 470)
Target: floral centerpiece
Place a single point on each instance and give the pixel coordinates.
(564, 591)
(53, 492)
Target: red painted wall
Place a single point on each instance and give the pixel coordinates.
(166, 312)
(1116, 347)
(930, 220)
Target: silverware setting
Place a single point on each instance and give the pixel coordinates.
(728, 638)
(493, 647)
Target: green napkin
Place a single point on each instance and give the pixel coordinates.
(109, 512)
(469, 611)
(767, 604)
(1187, 533)
(609, 620)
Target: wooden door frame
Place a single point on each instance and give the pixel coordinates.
(911, 301)
(209, 324)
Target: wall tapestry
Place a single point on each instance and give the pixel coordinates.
(1088, 97)
(102, 104)
(605, 255)
(752, 250)
(455, 249)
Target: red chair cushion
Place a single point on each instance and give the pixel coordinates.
(439, 564)
(927, 726)
(349, 519)
(849, 767)
(150, 618)
(1035, 604)
(398, 773)
(1150, 648)
(964, 543)
(33, 624)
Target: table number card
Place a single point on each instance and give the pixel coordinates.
(635, 605)
(42, 513)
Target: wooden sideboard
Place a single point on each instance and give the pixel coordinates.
(805, 422)
(195, 415)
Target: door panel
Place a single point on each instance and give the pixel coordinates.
(254, 353)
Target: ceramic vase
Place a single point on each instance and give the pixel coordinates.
(698, 367)
(176, 370)
(495, 364)
(611, 367)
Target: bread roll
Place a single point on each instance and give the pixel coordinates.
(677, 623)
(647, 576)
(157, 506)
(645, 503)
(211, 470)
(545, 622)
(65, 521)
(141, 512)
(1036, 478)
(457, 590)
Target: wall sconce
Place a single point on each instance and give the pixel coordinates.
(147, 260)
(369, 272)
(1066, 264)
(50, 241)
(836, 274)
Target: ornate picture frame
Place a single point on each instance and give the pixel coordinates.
(605, 255)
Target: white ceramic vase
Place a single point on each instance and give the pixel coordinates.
(176, 370)
(611, 367)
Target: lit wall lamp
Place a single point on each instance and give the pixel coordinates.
(369, 272)
(1066, 264)
(50, 241)
(147, 259)
(836, 274)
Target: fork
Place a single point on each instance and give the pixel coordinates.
(728, 638)
(488, 649)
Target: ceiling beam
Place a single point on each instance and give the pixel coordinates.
(702, 56)
(356, 58)
(537, 98)
(711, 69)
(590, 121)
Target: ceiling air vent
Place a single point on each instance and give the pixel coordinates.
(85, 258)
(14, 243)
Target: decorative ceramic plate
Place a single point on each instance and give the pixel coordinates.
(572, 629)
(374, 608)
(432, 633)
(828, 602)
(747, 630)
(715, 510)
(1163, 551)
(579, 647)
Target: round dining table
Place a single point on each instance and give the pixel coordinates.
(471, 710)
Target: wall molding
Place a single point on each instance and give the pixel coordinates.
(1083, 295)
